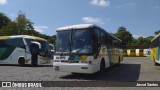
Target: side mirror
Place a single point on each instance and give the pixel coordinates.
(52, 48)
(35, 47)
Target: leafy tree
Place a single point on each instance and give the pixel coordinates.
(124, 35)
(157, 32)
(20, 26)
(23, 23)
(142, 41)
(3, 20)
(10, 29)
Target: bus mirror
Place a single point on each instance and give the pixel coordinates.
(52, 48)
(35, 47)
(36, 43)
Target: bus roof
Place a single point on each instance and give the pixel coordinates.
(157, 36)
(82, 26)
(78, 26)
(24, 36)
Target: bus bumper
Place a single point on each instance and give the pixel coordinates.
(74, 67)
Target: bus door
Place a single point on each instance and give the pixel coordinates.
(35, 49)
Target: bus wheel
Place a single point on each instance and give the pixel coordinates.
(154, 61)
(21, 61)
(102, 65)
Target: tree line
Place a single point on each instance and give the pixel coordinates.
(20, 26)
(128, 39)
(23, 26)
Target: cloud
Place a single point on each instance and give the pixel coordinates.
(3, 2)
(101, 3)
(92, 20)
(40, 28)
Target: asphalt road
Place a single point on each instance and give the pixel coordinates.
(131, 69)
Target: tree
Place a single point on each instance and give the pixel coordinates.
(124, 35)
(23, 23)
(4, 20)
(157, 32)
(142, 41)
(10, 29)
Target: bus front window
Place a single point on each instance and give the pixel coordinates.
(74, 41)
(81, 41)
(63, 41)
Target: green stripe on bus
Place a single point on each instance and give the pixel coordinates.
(5, 53)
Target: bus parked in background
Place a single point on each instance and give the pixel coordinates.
(86, 48)
(155, 49)
(24, 49)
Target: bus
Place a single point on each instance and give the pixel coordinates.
(86, 48)
(155, 49)
(24, 49)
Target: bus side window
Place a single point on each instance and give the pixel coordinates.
(109, 40)
(15, 42)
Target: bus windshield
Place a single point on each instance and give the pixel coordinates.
(74, 41)
(63, 41)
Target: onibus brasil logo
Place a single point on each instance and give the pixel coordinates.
(21, 84)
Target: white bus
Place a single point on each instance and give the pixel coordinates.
(24, 49)
(86, 48)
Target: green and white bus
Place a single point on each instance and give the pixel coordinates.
(24, 49)
(155, 49)
(86, 48)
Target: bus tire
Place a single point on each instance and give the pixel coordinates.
(155, 62)
(102, 65)
(21, 61)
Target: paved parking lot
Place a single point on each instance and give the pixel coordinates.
(131, 69)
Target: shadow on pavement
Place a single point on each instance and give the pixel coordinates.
(121, 72)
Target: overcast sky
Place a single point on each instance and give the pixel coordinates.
(140, 17)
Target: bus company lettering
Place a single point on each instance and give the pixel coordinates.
(147, 84)
(14, 84)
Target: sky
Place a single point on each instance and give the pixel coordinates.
(139, 17)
